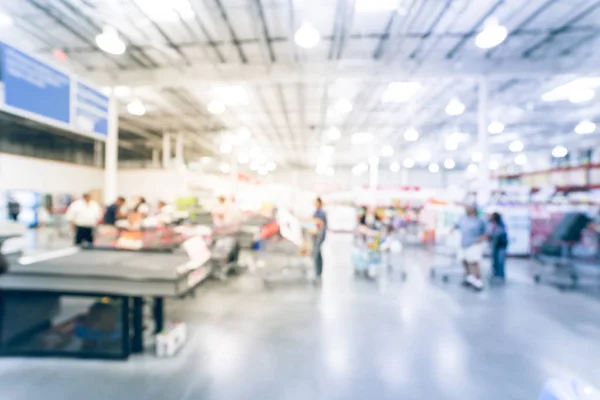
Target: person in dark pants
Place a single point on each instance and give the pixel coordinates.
(113, 212)
(320, 220)
(84, 214)
(498, 244)
(14, 209)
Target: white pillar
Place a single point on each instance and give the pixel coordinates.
(155, 158)
(98, 153)
(179, 150)
(166, 150)
(111, 153)
(404, 176)
(373, 178)
(483, 181)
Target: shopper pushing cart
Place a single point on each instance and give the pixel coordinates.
(473, 238)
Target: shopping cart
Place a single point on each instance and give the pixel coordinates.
(279, 260)
(446, 259)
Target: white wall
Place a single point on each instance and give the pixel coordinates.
(45, 176)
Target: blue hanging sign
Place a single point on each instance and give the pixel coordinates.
(91, 110)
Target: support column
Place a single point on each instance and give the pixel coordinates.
(155, 158)
(179, 160)
(404, 176)
(373, 179)
(98, 154)
(111, 153)
(166, 150)
(483, 182)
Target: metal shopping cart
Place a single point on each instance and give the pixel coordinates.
(446, 259)
(279, 260)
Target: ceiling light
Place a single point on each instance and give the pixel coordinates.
(5, 20)
(262, 171)
(472, 168)
(254, 166)
(434, 168)
(343, 106)
(136, 107)
(493, 165)
(122, 91)
(361, 138)
(496, 127)
(411, 135)
(492, 34)
(450, 145)
(455, 107)
(400, 92)
(225, 168)
(516, 146)
(307, 36)
(408, 163)
(449, 164)
(110, 42)
(216, 107)
(328, 150)
(582, 95)
(271, 166)
(560, 152)
(394, 167)
(329, 171)
(243, 158)
(375, 5)
(226, 148)
(232, 95)
(423, 156)
(476, 157)
(387, 151)
(521, 159)
(334, 134)
(243, 134)
(205, 160)
(585, 127)
(360, 168)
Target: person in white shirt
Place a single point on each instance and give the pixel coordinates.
(84, 214)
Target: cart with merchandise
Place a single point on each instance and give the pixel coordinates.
(374, 251)
(446, 262)
(279, 260)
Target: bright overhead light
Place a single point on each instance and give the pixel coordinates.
(455, 107)
(394, 167)
(516, 146)
(450, 145)
(492, 34)
(582, 95)
(493, 165)
(375, 5)
(343, 106)
(254, 166)
(472, 168)
(361, 138)
(476, 157)
(408, 163)
(400, 92)
(521, 159)
(328, 150)
(449, 164)
(360, 168)
(307, 36)
(433, 168)
(136, 107)
(560, 152)
(243, 158)
(243, 134)
(334, 134)
(205, 160)
(232, 95)
(387, 151)
(122, 91)
(496, 127)
(271, 166)
(423, 156)
(110, 42)
(215, 107)
(373, 160)
(262, 171)
(5, 20)
(329, 171)
(226, 148)
(585, 127)
(225, 168)
(411, 135)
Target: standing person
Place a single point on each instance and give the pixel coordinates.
(498, 244)
(320, 219)
(84, 214)
(472, 240)
(14, 209)
(141, 207)
(114, 212)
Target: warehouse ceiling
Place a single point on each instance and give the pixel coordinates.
(218, 69)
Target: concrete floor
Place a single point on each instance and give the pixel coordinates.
(349, 339)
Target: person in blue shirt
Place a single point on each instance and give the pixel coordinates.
(498, 244)
(472, 230)
(320, 220)
(113, 212)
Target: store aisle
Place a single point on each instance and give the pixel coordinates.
(349, 339)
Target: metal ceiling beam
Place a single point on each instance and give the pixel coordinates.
(371, 71)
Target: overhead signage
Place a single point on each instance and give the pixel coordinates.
(38, 91)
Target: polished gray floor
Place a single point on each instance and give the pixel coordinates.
(349, 339)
